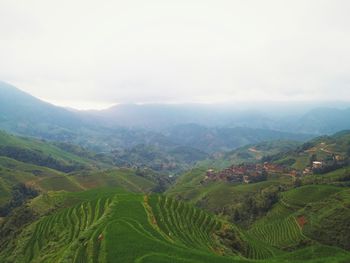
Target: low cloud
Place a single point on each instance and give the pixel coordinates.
(176, 51)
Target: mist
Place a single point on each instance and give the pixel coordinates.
(88, 54)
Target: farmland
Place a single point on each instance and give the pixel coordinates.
(110, 224)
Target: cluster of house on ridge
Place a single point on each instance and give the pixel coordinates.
(245, 173)
(257, 172)
(331, 163)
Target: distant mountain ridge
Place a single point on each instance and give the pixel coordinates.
(321, 119)
(24, 114)
(159, 135)
(20, 112)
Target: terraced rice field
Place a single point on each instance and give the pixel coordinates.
(301, 196)
(184, 224)
(80, 223)
(279, 228)
(122, 227)
(282, 233)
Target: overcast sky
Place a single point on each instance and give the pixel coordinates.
(90, 54)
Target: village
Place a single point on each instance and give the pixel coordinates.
(253, 173)
(257, 172)
(247, 173)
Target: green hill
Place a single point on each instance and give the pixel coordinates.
(229, 197)
(109, 225)
(309, 214)
(44, 153)
(283, 213)
(104, 226)
(47, 166)
(249, 154)
(324, 149)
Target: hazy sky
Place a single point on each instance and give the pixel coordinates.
(90, 54)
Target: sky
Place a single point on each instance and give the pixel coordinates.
(93, 54)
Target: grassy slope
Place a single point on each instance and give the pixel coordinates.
(249, 153)
(129, 225)
(323, 147)
(123, 177)
(138, 228)
(95, 173)
(45, 179)
(13, 172)
(41, 147)
(325, 210)
(325, 207)
(215, 194)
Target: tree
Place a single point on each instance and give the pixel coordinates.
(312, 159)
(297, 182)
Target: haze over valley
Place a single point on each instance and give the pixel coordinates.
(183, 132)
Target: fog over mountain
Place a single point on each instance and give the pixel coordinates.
(176, 52)
(183, 131)
(131, 124)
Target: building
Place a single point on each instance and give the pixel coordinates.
(317, 165)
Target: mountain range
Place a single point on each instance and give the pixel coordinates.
(172, 183)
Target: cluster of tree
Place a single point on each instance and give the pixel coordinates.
(346, 176)
(259, 178)
(84, 153)
(231, 238)
(255, 205)
(274, 157)
(146, 156)
(329, 164)
(38, 158)
(333, 228)
(14, 224)
(163, 181)
(20, 194)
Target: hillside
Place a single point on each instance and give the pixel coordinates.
(47, 166)
(248, 154)
(275, 220)
(307, 214)
(43, 153)
(172, 159)
(24, 114)
(99, 219)
(322, 121)
(109, 225)
(172, 149)
(332, 151)
(290, 209)
(277, 212)
(295, 117)
(243, 195)
(216, 139)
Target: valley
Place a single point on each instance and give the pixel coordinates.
(174, 131)
(84, 189)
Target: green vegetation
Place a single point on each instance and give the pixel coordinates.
(19, 194)
(46, 166)
(46, 154)
(332, 151)
(109, 225)
(240, 203)
(249, 154)
(278, 217)
(62, 203)
(106, 225)
(170, 158)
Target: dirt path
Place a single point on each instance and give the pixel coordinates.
(253, 150)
